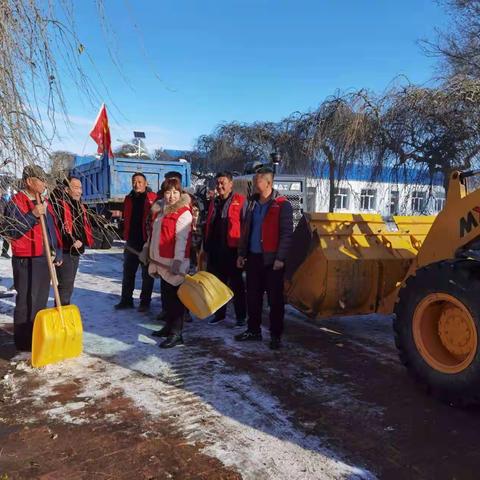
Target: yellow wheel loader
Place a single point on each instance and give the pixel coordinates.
(425, 270)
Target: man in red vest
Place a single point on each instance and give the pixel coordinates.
(222, 234)
(30, 268)
(76, 230)
(136, 209)
(265, 240)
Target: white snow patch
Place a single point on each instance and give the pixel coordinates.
(208, 401)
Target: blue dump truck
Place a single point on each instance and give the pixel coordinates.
(105, 183)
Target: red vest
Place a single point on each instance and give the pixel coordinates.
(233, 218)
(167, 234)
(127, 214)
(271, 226)
(31, 243)
(68, 222)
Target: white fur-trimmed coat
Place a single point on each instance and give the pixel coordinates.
(182, 231)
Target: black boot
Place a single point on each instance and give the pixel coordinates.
(124, 304)
(143, 307)
(172, 341)
(248, 336)
(163, 332)
(275, 343)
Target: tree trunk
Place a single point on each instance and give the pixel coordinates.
(331, 178)
(446, 171)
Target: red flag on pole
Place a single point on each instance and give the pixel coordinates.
(101, 133)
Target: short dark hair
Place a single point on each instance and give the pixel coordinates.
(265, 171)
(139, 174)
(262, 170)
(173, 174)
(68, 179)
(170, 184)
(34, 171)
(224, 173)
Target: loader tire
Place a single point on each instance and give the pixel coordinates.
(437, 329)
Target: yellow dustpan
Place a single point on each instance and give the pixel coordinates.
(57, 332)
(202, 293)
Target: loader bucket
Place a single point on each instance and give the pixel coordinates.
(350, 264)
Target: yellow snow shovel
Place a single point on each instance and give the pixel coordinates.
(57, 332)
(202, 293)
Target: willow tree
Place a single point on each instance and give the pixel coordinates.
(435, 128)
(338, 134)
(458, 46)
(40, 53)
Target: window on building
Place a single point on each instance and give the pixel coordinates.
(394, 202)
(418, 201)
(439, 202)
(367, 198)
(312, 199)
(341, 198)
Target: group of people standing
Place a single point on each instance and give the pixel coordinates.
(239, 234)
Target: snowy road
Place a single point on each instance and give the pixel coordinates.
(331, 405)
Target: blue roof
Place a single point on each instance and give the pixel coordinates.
(388, 174)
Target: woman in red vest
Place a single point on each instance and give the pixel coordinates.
(169, 252)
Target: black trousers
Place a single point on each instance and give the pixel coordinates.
(223, 264)
(130, 267)
(32, 283)
(66, 274)
(5, 247)
(260, 279)
(173, 307)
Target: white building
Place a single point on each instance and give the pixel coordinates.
(408, 193)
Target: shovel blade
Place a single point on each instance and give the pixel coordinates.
(203, 294)
(56, 336)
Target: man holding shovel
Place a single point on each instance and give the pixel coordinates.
(30, 268)
(222, 234)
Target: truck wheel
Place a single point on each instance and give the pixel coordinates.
(437, 329)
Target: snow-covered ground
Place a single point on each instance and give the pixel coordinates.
(208, 400)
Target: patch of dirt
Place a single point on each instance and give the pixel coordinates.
(130, 447)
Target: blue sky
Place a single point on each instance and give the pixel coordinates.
(187, 65)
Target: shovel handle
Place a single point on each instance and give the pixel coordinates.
(46, 248)
(160, 264)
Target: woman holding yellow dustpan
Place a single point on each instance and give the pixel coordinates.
(30, 269)
(169, 248)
